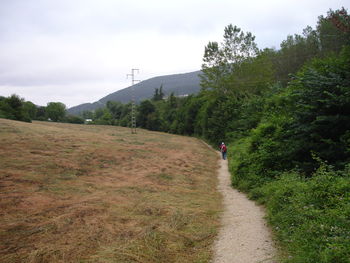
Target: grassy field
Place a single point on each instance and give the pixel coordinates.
(81, 193)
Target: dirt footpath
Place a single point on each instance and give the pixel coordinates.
(244, 236)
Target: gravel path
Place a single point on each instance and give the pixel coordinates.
(244, 236)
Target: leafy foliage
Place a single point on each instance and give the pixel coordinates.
(334, 30)
(281, 162)
(56, 111)
(311, 216)
(322, 114)
(158, 94)
(310, 116)
(222, 62)
(74, 119)
(13, 108)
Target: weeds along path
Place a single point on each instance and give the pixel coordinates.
(244, 236)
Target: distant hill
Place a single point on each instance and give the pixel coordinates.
(179, 84)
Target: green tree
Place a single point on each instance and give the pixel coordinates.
(153, 121)
(103, 116)
(188, 114)
(30, 109)
(310, 118)
(220, 62)
(13, 108)
(168, 110)
(98, 113)
(115, 108)
(88, 114)
(322, 114)
(74, 119)
(41, 113)
(56, 111)
(158, 94)
(334, 30)
(252, 77)
(145, 109)
(106, 118)
(294, 52)
(125, 117)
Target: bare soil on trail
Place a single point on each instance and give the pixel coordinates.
(244, 236)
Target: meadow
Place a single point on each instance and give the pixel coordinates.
(85, 193)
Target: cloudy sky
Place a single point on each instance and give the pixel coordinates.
(77, 51)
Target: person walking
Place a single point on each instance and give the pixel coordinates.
(223, 150)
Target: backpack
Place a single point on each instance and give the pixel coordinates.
(223, 148)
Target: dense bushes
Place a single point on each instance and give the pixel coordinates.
(73, 119)
(310, 215)
(310, 116)
(322, 113)
(14, 108)
(296, 162)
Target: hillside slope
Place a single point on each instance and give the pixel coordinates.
(84, 193)
(179, 84)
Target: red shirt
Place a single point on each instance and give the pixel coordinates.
(223, 148)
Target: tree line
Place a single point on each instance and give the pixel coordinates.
(16, 108)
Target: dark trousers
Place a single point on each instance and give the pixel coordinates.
(223, 155)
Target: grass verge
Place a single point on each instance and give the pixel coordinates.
(309, 216)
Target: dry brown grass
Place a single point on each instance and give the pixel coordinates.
(76, 193)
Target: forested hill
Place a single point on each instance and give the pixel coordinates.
(179, 84)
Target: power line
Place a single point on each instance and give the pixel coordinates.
(133, 106)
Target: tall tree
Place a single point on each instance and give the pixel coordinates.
(88, 114)
(222, 62)
(30, 109)
(145, 109)
(322, 112)
(56, 111)
(115, 108)
(294, 52)
(158, 94)
(13, 108)
(41, 113)
(334, 30)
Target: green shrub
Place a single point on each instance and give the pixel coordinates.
(13, 108)
(310, 216)
(74, 119)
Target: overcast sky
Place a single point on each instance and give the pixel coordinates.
(77, 51)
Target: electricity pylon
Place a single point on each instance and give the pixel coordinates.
(133, 106)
